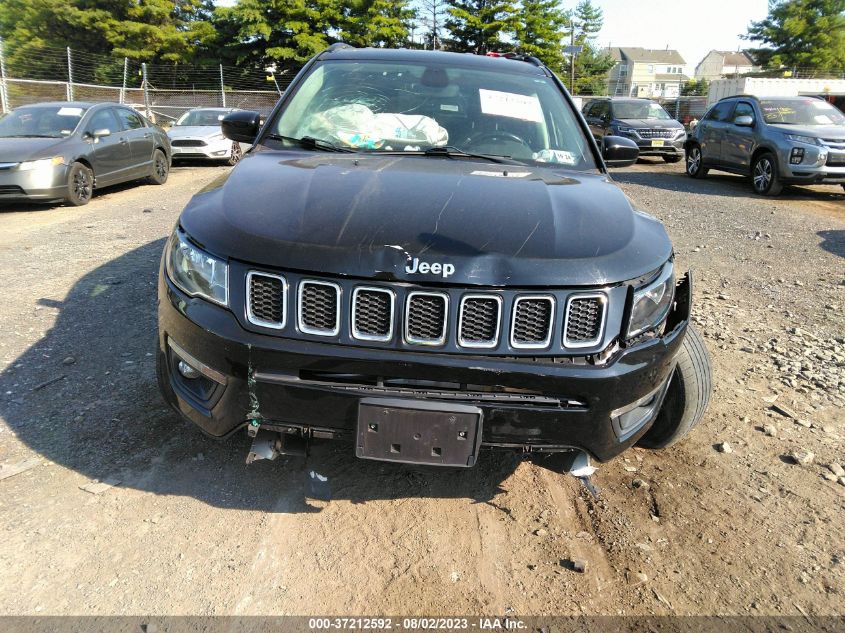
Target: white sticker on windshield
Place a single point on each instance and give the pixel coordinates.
(69, 112)
(823, 119)
(510, 104)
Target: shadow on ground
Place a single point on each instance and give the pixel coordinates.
(833, 242)
(720, 184)
(85, 397)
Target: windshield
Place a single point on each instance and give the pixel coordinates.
(202, 117)
(41, 121)
(801, 112)
(408, 107)
(639, 110)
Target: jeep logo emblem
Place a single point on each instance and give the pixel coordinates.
(435, 268)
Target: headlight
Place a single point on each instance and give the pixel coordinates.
(798, 138)
(652, 302)
(621, 129)
(195, 272)
(44, 163)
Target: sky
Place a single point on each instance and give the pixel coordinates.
(693, 28)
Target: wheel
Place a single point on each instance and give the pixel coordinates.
(236, 154)
(161, 169)
(672, 158)
(695, 168)
(764, 175)
(687, 397)
(80, 185)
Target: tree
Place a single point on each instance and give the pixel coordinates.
(287, 32)
(592, 64)
(377, 22)
(476, 26)
(695, 88)
(806, 34)
(539, 31)
(432, 17)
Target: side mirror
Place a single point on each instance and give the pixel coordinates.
(241, 126)
(100, 133)
(744, 121)
(619, 151)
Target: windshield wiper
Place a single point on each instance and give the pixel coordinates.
(452, 151)
(31, 136)
(309, 142)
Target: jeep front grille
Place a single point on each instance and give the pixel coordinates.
(426, 316)
(265, 303)
(319, 307)
(479, 320)
(584, 320)
(507, 322)
(533, 317)
(372, 314)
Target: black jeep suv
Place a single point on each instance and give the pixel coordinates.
(423, 254)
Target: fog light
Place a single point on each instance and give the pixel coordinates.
(187, 371)
(796, 156)
(629, 419)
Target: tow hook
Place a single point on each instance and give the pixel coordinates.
(268, 444)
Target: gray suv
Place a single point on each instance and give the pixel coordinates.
(775, 140)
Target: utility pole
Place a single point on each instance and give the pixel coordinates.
(146, 89)
(123, 87)
(572, 59)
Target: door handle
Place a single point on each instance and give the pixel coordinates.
(148, 135)
(123, 141)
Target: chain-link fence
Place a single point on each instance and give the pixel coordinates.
(162, 91)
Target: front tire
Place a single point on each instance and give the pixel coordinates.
(161, 169)
(695, 166)
(764, 175)
(687, 397)
(672, 158)
(236, 155)
(80, 185)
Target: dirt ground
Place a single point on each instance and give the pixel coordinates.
(191, 529)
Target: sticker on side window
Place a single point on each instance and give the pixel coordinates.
(510, 104)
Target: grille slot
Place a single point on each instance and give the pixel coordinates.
(426, 318)
(10, 190)
(186, 142)
(319, 308)
(478, 324)
(266, 299)
(532, 322)
(584, 320)
(372, 314)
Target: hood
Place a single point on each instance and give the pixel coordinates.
(374, 216)
(816, 131)
(15, 150)
(652, 123)
(194, 131)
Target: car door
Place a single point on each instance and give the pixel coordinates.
(598, 117)
(109, 156)
(712, 132)
(141, 141)
(740, 141)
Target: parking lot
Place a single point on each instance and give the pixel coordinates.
(739, 519)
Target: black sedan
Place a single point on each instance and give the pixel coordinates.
(65, 150)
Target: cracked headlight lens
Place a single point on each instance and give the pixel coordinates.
(652, 302)
(194, 271)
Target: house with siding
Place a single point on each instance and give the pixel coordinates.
(645, 72)
(719, 64)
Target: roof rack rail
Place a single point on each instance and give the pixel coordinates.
(337, 46)
(520, 57)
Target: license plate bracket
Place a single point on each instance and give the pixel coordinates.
(418, 432)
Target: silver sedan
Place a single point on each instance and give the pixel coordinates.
(65, 150)
(197, 134)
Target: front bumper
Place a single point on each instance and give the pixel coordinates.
(669, 147)
(215, 150)
(46, 184)
(315, 388)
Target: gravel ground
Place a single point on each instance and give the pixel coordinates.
(743, 518)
